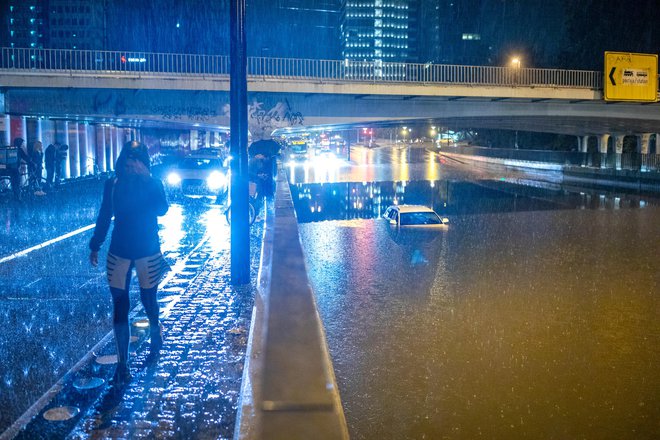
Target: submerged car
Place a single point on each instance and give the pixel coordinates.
(197, 177)
(414, 216)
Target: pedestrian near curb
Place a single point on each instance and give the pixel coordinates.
(136, 200)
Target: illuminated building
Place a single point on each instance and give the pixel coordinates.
(76, 24)
(377, 30)
(26, 24)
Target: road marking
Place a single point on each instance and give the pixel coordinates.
(46, 243)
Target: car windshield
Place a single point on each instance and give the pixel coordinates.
(199, 163)
(419, 218)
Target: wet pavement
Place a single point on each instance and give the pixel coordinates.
(57, 342)
(535, 314)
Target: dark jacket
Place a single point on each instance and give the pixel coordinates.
(136, 202)
(50, 156)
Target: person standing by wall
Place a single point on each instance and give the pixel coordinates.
(50, 158)
(136, 200)
(37, 156)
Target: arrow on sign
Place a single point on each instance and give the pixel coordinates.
(612, 76)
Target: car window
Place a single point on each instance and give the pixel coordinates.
(199, 163)
(420, 218)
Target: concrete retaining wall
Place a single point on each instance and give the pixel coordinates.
(289, 389)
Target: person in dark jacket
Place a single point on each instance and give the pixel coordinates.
(24, 165)
(50, 160)
(136, 200)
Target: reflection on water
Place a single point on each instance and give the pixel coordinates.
(347, 200)
(533, 315)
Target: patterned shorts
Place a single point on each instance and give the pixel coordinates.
(150, 270)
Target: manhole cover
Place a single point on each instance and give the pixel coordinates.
(88, 383)
(141, 323)
(61, 413)
(107, 359)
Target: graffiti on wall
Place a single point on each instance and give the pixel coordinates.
(262, 121)
(191, 113)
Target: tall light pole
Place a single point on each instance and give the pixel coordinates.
(240, 226)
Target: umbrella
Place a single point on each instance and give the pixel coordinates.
(265, 147)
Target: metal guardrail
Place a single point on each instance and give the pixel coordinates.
(646, 162)
(137, 63)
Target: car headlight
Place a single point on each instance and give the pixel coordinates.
(216, 180)
(173, 178)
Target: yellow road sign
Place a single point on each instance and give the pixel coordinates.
(631, 77)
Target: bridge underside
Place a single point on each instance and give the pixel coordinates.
(269, 111)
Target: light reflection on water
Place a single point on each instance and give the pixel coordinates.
(534, 315)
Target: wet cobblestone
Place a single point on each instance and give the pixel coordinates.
(192, 392)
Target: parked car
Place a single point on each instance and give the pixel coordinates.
(414, 216)
(197, 177)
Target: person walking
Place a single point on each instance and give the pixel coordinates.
(37, 156)
(135, 199)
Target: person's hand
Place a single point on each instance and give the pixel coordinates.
(94, 258)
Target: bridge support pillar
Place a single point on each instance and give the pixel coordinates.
(62, 136)
(602, 148)
(583, 143)
(618, 149)
(644, 143)
(74, 149)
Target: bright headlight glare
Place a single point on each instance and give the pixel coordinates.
(216, 180)
(173, 178)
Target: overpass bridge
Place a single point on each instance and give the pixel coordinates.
(156, 89)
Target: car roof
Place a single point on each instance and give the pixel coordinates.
(414, 208)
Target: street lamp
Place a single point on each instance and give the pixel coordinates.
(516, 64)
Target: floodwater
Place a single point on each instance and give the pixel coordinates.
(535, 314)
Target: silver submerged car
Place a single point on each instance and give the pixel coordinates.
(415, 216)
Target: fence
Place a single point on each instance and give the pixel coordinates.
(136, 63)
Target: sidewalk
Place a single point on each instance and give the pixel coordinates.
(193, 390)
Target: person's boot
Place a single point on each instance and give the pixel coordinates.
(156, 335)
(121, 378)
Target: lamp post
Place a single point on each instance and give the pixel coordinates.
(516, 64)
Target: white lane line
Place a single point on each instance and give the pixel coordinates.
(45, 243)
(44, 400)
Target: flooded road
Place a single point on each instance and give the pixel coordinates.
(535, 314)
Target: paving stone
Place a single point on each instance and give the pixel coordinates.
(192, 392)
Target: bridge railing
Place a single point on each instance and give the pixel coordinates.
(138, 63)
